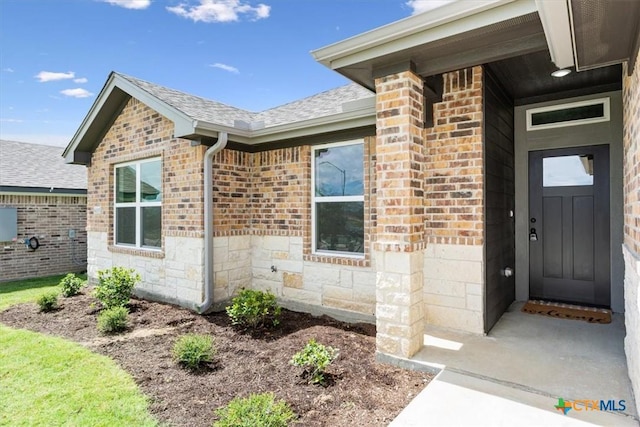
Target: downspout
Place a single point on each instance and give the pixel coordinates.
(208, 221)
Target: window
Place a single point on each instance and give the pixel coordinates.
(338, 199)
(565, 171)
(138, 204)
(573, 114)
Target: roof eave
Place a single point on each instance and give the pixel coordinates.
(356, 118)
(110, 101)
(449, 20)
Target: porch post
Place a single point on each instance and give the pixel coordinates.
(399, 239)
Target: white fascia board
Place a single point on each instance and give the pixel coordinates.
(335, 122)
(89, 118)
(557, 30)
(454, 18)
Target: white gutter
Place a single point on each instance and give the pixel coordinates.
(208, 220)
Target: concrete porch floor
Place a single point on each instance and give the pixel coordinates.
(515, 374)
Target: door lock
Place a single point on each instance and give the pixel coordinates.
(533, 236)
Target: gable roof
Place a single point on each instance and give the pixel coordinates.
(35, 168)
(197, 118)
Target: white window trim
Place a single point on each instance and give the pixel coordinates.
(137, 204)
(605, 118)
(331, 199)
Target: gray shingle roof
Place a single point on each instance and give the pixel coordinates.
(320, 105)
(32, 165)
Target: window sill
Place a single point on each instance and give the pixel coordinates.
(148, 253)
(350, 260)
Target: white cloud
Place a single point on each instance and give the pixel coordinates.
(220, 10)
(421, 6)
(130, 4)
(80, 80)
(76, 93)
(225, 67)
(11, 120)
(49, 76)
(8, 70)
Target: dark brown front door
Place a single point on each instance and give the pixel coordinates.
(569, 225)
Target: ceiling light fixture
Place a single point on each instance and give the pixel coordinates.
(561, 73)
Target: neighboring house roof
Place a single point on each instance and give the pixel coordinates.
(35, 168)
(338, 110)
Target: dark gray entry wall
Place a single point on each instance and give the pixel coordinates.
(499, 200)
(609, 133)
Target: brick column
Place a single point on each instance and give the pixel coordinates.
(399, 244)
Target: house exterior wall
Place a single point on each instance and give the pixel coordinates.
(631, 246)
(49, 218)
(262, 228)
(175, 272)
(454, 259)
(261, 219)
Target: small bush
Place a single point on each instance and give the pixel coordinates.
(254, 308)
(115, 286)
(257, 410)
(112, 320)
(71, 284)
(48, 301)
(193, 350)
(315, 358)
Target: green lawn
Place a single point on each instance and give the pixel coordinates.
(27, 290)
(51, 381)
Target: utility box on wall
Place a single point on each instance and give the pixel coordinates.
(8, 224)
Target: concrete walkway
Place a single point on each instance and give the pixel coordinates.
(516, 374)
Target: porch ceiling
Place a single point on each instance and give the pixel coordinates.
(528, 79)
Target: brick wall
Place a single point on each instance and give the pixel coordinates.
(49, 218)
(400, 163)
(454, 259)
(631, 247)
(138, 133)
(454, 182)
(631, 143)
(232, 193)
(281, 195)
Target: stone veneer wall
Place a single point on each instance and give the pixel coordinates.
(49, 218)
(454, 259)
(631, 247)
(174, 273)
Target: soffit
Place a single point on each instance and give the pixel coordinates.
(516, 36)
(604, 32)
(528, 76)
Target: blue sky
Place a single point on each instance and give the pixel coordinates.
(56, 55)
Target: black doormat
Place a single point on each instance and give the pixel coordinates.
(568, 311)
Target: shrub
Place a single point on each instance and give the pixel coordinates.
(115, 286)
(254, 308)
(315, 358)
(48, 301)
(193, 350)
(114, 319)
(257, 410)
(71, 284)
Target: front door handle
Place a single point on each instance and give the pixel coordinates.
(533, 235)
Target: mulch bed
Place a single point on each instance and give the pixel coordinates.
(360, 392)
